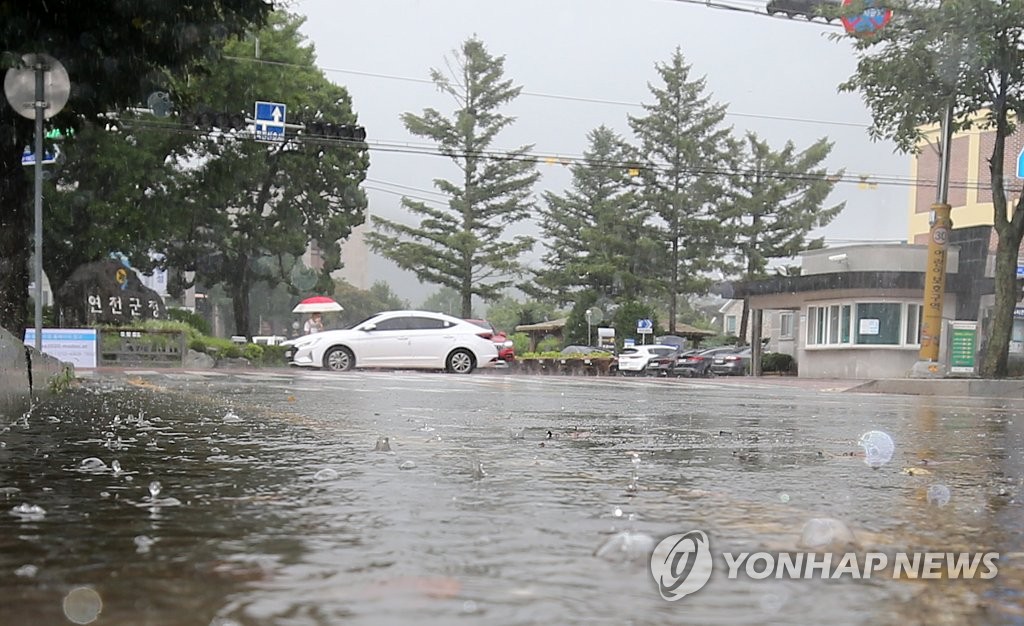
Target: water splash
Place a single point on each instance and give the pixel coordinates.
(383, 445)
(634, 479)
(116, 467)
(478, 471)
(231, 418)
(154, 489)
(627, 546)
(29, 512)
(143, 544)
(878, 448)
(26, 571)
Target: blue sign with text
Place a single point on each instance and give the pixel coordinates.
(270, 120)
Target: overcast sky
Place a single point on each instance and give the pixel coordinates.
(778, 77)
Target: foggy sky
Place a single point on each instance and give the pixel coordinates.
(601, 50)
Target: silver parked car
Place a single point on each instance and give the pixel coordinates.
(399, 340)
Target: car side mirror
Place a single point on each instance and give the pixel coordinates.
(369, 327)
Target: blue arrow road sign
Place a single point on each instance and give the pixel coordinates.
(28, 157)
(270, 120)
(1020, 164)
(644, 326)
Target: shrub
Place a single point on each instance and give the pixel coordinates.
(520, 342)
(215, 346)
(196, 321)
(549, 344)
(777, 362)
(273, 355)
(253, 352)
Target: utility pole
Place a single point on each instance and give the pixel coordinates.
(928, 365)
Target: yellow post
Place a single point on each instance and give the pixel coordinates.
(935, 284)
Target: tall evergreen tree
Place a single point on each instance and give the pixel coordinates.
(596, 233)
(776, 199)
(967, 54)
(686, 147)
(462, 246)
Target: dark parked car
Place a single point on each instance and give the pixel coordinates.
(699, 363)
(735, 363)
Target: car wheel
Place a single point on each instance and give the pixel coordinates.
(339, 359)
(460, 362)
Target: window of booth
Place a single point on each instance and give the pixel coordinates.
(864, 323)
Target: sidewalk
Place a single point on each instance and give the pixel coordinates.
(949, 387)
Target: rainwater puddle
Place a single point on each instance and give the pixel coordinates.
(501, 500)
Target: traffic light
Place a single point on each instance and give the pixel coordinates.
(206, 119)
(345, 132)
(808, 9)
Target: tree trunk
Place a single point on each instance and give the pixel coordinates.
(240, 299)
(994, 361)
(15, 222)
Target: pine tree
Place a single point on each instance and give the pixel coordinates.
(686, 150)
(596, 232)
(776, 199)
(462, 246)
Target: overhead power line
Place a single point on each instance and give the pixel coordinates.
(554, 159)
(551, 96)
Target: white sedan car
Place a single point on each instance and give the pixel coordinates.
(636, 359)
(400, 340)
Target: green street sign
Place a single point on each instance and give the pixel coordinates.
(56, 133)
(963, 344)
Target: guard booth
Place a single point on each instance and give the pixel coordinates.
(606, 339)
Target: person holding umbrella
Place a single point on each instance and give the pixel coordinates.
(316, 306)
(314, 324)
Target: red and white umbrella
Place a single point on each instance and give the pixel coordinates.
(317, 304)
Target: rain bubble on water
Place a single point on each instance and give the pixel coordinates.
(784, 498)
(469, 606)
(938, 495)
(93, 464)
(26, 571)
(406, 465)
(82, 605)
(826, 533)
(617, 512)
(325, 475)
(231, 418)
(773, 602)
(878, 448)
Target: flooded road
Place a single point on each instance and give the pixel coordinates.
(393, 498)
